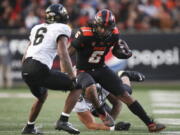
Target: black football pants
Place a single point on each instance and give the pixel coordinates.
(107, 78)
(39, 78)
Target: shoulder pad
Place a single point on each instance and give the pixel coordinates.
(86, 31)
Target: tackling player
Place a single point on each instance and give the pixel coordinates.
(86, 111)
(46, 41)
(92, 43)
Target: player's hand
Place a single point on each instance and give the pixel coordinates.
(121, 50)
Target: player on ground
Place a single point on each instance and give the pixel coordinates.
(86, 111)
(92, 43)
(46, 41)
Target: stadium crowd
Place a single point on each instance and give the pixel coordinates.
(139, 15)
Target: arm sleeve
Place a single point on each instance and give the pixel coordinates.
(77, 41)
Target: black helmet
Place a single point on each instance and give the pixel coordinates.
(105, 19)
(56, 13)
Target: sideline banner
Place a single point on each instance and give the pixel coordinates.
(155, 55)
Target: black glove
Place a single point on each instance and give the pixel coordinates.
(121, 50)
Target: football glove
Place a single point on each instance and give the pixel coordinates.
(121, 50)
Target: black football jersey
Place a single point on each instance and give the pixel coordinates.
(91, 49)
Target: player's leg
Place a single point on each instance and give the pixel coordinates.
(88, 84)
(41, 95)
(124, 96)
(56, 80)
(39, 92)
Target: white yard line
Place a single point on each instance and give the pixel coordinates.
(166, 102)
(164, 111)
(169, 121)
(16, 95)
(169, 105)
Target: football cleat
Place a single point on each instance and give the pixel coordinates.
(66, 126)
(122, 126)
(31, 129)
(156, 127)
(132, 75)
(107, 119)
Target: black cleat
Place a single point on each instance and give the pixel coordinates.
(66, 126)
(122, 126)
(31, 129)
(132, 75)
(156, 127)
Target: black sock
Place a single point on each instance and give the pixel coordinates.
(137, 109)
(64, 118)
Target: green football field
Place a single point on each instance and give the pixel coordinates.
(163, 104)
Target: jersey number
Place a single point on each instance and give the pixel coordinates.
(96, 57)
(39, 35)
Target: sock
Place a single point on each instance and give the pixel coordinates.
(137, 109)
(64, 117)
(112, 128)
(31, 123)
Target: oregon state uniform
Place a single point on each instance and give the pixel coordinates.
(91, 51)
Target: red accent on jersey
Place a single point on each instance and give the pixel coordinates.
(116, 31)
(109, 55)
(87, 31)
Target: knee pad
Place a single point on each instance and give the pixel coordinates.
(85, 80)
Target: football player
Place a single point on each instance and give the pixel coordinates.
(92, 43)
(86, 111)
(46, 41)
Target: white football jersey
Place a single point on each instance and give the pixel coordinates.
(84, 105)
(43, 38)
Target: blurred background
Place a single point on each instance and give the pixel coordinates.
(150, 27)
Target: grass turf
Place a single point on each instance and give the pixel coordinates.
(14, 113)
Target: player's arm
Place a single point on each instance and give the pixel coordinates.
(88, 120)
(24, 56)
(76, 43)
(116, 105)
(71, 50)
(121, 50)
(66, 65)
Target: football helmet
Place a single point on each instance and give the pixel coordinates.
(104, 22)
(56, 13)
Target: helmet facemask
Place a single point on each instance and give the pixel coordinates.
(56, 13)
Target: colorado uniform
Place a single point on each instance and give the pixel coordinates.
(36, 69)
(84, 105)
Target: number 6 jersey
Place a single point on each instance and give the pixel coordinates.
(43, 39)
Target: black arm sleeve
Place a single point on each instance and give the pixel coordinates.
(77, 40)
